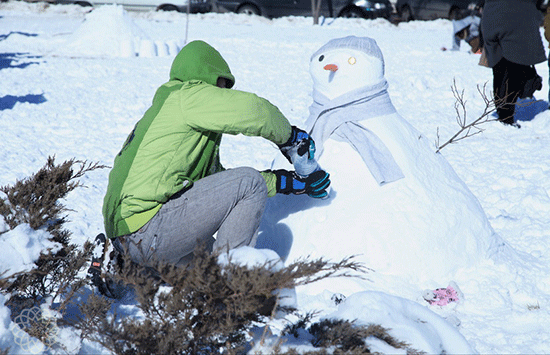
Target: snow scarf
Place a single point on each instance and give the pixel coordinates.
(339, 118)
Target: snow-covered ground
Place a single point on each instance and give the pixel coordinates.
(73, 86)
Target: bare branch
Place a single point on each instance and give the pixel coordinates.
(470, 129)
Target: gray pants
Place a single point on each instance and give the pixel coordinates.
(230, 202)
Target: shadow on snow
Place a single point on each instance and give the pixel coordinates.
(12, 60)
(8, 102)
(8, 60)
(3, 37)
(527, 109)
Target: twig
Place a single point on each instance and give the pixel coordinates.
(472, 128)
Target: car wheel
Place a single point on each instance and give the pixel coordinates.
(249, 10)
(406, 13)
(168, 8)
(354, 12)
(83, 3)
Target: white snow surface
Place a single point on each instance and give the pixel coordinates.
(22, 246)
(74, 82)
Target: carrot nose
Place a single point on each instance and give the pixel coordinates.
(331, 67)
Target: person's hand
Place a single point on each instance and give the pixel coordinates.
(314, 185)
(298, 139)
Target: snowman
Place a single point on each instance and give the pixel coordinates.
(395, 204)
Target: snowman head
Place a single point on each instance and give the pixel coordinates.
(345, 64)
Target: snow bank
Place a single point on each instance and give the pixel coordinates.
(108, 31)
(406, 320)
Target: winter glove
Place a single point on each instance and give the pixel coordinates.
(298, 139)
(315, 184)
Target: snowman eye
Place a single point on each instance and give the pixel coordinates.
(321, 58)
(352, 60)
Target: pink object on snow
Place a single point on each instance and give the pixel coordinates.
(443, 296)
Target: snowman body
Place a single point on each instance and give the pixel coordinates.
(422, 227)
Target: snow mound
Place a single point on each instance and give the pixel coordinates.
(21, 247)
(108, 31)
(406, 320)
(251, 257)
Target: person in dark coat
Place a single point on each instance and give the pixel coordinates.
(513, 44)
(547, 36)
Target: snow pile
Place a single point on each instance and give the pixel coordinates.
(250, 257)
(6, 336)
(21, 247)
(108, 31)
(406, 320)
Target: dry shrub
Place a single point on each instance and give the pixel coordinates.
(337, 336)
(36, 201)
(349, 338)
(203, 308)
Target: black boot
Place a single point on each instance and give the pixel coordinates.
(510, 122)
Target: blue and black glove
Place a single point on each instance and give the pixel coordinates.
(298, 138)
(314, 185)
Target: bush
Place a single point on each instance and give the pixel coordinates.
(337, 336)
(35, 201)
(349, 338)
(203, 308)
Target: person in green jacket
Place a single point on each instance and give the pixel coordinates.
(167, 190)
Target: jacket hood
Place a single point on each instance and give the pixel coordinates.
(200, 61)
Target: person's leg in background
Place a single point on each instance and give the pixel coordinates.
(508, 82)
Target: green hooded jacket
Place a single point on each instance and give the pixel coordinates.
(177, 140)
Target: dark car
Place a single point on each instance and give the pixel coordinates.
(434, 9)
(329, 8)
(195, 6)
